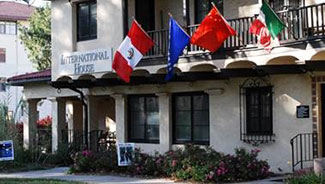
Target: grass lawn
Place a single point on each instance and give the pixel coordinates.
(35, 181)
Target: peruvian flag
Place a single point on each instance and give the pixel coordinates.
(267, 26)
(133, 48)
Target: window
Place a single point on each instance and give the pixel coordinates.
(87, 21)
(203, 7)
(2, 55)
(191, 118)
(259, 110)
(256, 111)
(280, 5)
(8, 28)
(145, 14)
(143, 113)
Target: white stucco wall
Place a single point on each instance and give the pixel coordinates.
(109, 29)
(289, 91)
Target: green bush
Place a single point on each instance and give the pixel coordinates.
(191, 163)
(311, 178)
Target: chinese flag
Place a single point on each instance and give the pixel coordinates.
(213, 31)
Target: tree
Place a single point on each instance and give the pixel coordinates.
(37, 38)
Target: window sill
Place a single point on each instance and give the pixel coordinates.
(86, 39)
(189, 142)
(257, 139)
(143, 141)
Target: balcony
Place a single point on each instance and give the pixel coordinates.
(302, 24)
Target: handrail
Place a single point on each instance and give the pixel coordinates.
(303, 149)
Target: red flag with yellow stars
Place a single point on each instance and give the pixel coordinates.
(213, 31)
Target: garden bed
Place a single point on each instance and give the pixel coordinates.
(192, 163)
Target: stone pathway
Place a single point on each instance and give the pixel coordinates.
(60, 174)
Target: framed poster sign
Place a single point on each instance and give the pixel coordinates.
(6, 150)
(303, 111)
(125, 154)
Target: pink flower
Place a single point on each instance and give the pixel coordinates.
(174, 162)
(86, 153)
(219, 172)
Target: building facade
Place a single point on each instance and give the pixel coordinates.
(239, 96)
(13, 57)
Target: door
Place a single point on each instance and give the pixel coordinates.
(323, 118)
(145, 14)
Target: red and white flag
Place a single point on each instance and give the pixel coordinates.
(133, 48)
(267, 27)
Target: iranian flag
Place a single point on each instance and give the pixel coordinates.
(135, 45)
(267, 26)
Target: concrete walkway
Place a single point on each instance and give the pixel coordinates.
(60, 174)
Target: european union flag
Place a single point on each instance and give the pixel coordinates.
(178, 39)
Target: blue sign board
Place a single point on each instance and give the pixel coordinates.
(6, 150)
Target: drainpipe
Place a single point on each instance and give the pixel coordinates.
(85, 108)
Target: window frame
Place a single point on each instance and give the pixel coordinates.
(145, 140)
(260, 90)
(88, 4)
(255, 139)
(281, 6)
(192, 141)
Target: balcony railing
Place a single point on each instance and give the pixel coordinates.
(304, 23)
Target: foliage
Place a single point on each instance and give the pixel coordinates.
(311, 178)
(35, 157)
(35, 181)
(191, 163)
(37, 38)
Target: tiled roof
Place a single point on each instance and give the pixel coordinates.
(29, 77)
(15, 11)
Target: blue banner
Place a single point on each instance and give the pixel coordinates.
(6, 150)
(178, 40)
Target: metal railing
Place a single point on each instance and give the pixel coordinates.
(98, 140)
(304, 149)
(303, 23)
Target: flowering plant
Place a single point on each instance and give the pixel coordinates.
(45, 122)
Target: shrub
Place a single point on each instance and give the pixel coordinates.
(191, 163)
(310, 178)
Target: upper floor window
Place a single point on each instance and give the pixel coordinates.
(145, 14)
(87, 21)
(280, 5)
(191, 118)
(8, 28)
(2, 55)
(143, 113)
(203, 7)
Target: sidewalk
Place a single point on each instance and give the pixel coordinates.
(60, 174)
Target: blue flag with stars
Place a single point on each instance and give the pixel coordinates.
(178, 40)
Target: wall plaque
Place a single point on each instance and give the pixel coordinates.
(87, 62)
(303, 111)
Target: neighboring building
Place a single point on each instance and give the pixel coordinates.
(13, 57)
(240, 96)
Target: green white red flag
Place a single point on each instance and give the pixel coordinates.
(267, 26)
